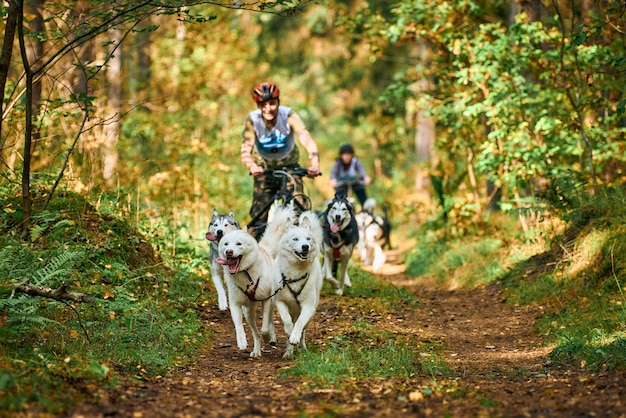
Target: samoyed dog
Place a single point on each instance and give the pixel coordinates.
(300, 280)
(251, 277)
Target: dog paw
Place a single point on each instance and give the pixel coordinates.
(294, 340)
(339, 292)
(242, 344)
(255, 353)
(288, 352)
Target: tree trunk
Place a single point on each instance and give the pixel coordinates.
(35, 53)
(7, 50)
(28, 125)
(138, 66)
(424, 131)
(114, 104)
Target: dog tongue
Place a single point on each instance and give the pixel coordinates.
(334, 227)
(232, 263)
(210, 236)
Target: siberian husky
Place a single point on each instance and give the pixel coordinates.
(341, 235)
(220, 224)
(374, 232)
(251, 277)
(300, 276)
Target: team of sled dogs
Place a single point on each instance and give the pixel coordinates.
(283, 271)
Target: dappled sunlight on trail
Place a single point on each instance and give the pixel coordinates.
(484, 359)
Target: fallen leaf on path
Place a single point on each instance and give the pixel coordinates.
(416, 396)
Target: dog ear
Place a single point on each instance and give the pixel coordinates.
(305, 222)
(231, 214)
(215, 213)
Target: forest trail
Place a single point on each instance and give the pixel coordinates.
(497, 367)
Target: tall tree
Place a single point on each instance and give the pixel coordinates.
(111, 128)
(7, 51)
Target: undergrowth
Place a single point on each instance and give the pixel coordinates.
(468, 260)
(571, 261)
(143, 321)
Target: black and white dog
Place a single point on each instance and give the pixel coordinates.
(374, 232)
(341, 235)
(220, 225)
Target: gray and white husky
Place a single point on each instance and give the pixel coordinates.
(341, 235)
(374, 233)
(220, 225)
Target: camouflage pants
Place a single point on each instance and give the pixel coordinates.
(265, 188)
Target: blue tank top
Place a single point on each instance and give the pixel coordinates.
(276, 143)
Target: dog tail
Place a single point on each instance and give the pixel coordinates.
(369, 205)
(283, 218)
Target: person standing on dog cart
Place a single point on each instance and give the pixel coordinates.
(269, 143)
(348, 172)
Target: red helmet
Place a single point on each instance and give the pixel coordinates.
(265, 91)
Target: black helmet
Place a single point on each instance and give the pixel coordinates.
(346, 149)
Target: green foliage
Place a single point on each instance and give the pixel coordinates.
(142, 323)
(598, 353)
(367, 286)
(343, 360)
(581, 283)
(468, 259)
(518, 100)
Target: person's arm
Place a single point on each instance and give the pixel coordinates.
(247, 145)
(361, 172)
(307, 142)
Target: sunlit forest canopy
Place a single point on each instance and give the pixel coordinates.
(456, 107)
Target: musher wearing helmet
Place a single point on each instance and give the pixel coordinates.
(269, 142)
(348, 170)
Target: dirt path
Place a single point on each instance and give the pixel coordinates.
(497, 362)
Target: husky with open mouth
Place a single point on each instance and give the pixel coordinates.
(251, 273)
(220, 225)
(341, 235)
(300, 276)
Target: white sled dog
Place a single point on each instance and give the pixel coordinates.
(374, 232)
(220, 224)
(251, 277)
(341, 235)
(301, 277)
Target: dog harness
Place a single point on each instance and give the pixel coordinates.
(337, 240)
(251, 293)
(286, 282)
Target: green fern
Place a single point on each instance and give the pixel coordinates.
(59, 265)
